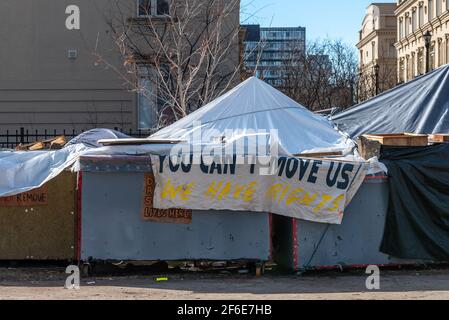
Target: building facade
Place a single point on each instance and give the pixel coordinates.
(377, 52)
(52, 77)
(415, 18)
(268, 51)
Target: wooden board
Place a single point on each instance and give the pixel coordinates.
(149, 213)
(51, 144)
(399, 139)
(320, 154)
(368, 148)
(438, 138)
(124, 142)
(37, 197)
(42, 232)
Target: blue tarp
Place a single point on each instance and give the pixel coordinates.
(418, 106)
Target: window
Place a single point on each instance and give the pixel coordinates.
(439, 8)
(421, 62)
(432, 57)
(447, 50)
(414, 24)
(440, 53)
(407, 26)
(430, 10)
(144, 7)
(400, 29)
(401, 71)
(421, 15)
(153, 8)
(147, 105)
(447, 5)
(392, 49)
(409, 68)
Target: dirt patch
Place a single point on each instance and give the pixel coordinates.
(48, 283)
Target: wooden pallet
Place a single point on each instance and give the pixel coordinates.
(368, 148)
(370, 145)
(399, 139)
(319, 154)
(136, 142)
(50, 144)
(439, 138)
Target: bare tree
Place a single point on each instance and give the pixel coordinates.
(368, 86)
(187, 52)
(322, 77)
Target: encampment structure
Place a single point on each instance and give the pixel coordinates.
(254, 107)
(418, 106)
(134, 195)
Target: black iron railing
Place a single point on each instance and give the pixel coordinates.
(9, 139)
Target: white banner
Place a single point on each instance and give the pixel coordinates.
(309, 189)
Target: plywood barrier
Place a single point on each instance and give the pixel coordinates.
(41, 224)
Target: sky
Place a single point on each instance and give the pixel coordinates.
(341, 19)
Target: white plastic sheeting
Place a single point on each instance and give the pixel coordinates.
(255, 106)
(27, 170)
(248, 109)
(91, 137)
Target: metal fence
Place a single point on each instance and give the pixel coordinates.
(9, 139)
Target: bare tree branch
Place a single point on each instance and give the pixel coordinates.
(191, 52)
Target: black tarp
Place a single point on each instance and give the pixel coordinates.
(417, 222)
(418, 106)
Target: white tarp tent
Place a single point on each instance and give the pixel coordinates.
(251, 109)
(310, 189)
(252, 106)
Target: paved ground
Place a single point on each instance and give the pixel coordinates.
(47, 283)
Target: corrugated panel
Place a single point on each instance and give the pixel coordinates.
(355, 242)
(112, 227)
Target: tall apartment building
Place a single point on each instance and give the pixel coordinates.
(269, 50)
(50, 77)
(377, 53)
(415, 19)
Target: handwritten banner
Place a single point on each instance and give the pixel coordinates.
(149, 213)
(37, 197)
(308, 189)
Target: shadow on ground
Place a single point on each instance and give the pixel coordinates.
(274, 282)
